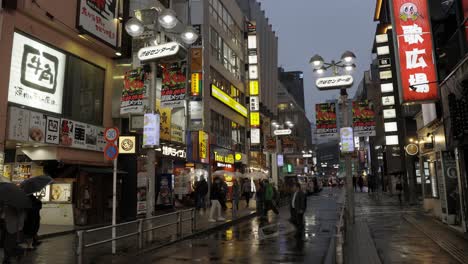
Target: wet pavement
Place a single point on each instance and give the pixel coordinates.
(395, 239)
(272, 240)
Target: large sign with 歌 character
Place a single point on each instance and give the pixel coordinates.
(37, 74)
(415, 51)
(326, 120)
(99, 19)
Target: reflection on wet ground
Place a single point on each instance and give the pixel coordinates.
(271, 240)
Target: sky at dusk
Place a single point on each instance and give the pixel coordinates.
(328, 28)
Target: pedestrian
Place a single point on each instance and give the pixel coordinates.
(223, 196)
(11, 225)
(399, 189)
(246, 191)
(236, 193)
(298, 206)
(215, 195)
(360, 182)
(259, 197)
(269, 196)
(32, 223)
(201, 189)
(355, 182)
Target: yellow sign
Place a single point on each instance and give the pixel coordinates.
(224, 159)
(165, 132)
(238, 156)
(253, 87)
(127, 145)
(254, 119)
(227, 100)
(196, 80)
(203, 146)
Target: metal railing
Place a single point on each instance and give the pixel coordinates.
(139, 232)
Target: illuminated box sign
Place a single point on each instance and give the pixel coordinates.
(37, 74)
(229, 101)
(347, 139)
(254, 119)
(196, 84)
(333, 82)
(254, 103)
(255, 136)
(158, 51)
(203, 144)
(229, 158)
(415, 50)
(127, 144)
(253, 87)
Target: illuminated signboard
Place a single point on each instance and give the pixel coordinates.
(253, 87)
(255, 119)
(127, 145)
(203, 138)
(227, 100)
(229, 158)
(196, 84)
(415, 51)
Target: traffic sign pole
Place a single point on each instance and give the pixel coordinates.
(111, 153)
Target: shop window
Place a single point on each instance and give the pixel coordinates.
(84, 91)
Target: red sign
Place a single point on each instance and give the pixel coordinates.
(111, 134)
(417, 69)
(111, 151)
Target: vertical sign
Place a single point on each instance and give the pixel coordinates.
(36, 127)
(254, 88)
(363, 119)
(326, 120)
(196, 84)
(203, 138)
(52, 130)
(134, 93)
(151, 130)
(347, 139)
(415, 51)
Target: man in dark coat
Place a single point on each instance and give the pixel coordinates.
(33, 222)
(201, 189)
(298, 206)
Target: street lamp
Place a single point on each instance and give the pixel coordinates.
(167, 19)
(347, 63)
(134, 27)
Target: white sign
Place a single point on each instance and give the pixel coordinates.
(389, 113)
(91, 137)
(385, 75)
(254, 103)
(382, 38)
(391, 140)
(18, 124)
(173, 152)
(280, 160)
(282, 132)
(307, 155)
(388, 100)
(255, 136)
(52, 130)
(151, 130)
(196, 110)
(37, 123)
(159, 51)
(386, 87)
(36, 75)
(100, 141)
(99, 18)
(328, 83)
(347, 139)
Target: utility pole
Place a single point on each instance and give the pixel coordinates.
(151, 152)
(348, 165)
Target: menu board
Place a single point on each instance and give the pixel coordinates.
(61, 192)
(18, 124)
(37, 124)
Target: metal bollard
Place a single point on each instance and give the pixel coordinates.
(79, 247)
(140, 233)
(179, 224)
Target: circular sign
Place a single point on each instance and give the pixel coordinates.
(412, 149)
(127, 144)
(111, 134)
(111, 152)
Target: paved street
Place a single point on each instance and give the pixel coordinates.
(394, 238)
(257, 241)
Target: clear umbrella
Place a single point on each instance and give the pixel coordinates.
(256, 175)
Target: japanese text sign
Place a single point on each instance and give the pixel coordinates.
(326, 120)
(415, 50)
(363, 119)
(159, 51)
(36, 75)
(151, 130)
(99, 18)
(334, 82)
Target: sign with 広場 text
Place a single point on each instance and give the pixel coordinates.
(37, 74)
(282, 132)
(99, 19)
(334, 82)
(412, 30)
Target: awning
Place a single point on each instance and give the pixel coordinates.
(42, 153)
(100, 170)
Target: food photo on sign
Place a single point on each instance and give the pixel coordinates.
(174, 81)
(134, 93)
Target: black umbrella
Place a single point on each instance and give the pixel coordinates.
(35, 184)
(13, 196)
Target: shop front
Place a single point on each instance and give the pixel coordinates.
(224, 160)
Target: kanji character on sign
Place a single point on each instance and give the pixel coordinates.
(413, 60)
(412, 34)
(420, 82)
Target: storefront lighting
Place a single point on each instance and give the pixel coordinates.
(168, 19)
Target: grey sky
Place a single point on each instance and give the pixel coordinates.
(326, 27)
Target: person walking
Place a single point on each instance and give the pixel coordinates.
(355, 182)
(360, 182)
(224, 193)
(201, 189)
(246, 191)
(298, 206)
(236, 193)
(260, 197)
(32, 223)
(11, 222)
(269, 196)
(399, 189)
(214, 197)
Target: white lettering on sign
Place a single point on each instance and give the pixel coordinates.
(281, 132)
(159, 51)
(168, 151)
(414, 60)
(334, 82)
(413, 34)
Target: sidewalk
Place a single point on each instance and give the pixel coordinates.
(61, 249)
(385, 232)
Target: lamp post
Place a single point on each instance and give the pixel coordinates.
(161, 23)
(347, 64)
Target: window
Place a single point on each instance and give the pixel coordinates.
(224, 54)
(84, 91)
(225, 20)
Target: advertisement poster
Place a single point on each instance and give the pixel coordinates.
(91, 137)
(165, 123)
(414, 39)
(151, 130)
(37, 75)
(142, 186)
(18, 125)
(203, 142)
(164, 190)
(178, 125)
(326, 120)
(134, 93)
(174, 82)
(363, 119)
(270, 143)
(67, 132)
(52, 130)
(182, 184)
(79, 135)
(100, 140)
(61, 192)
(99, 18)
(37, 123)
